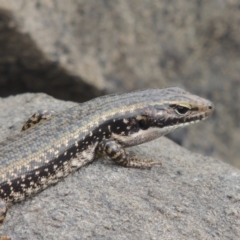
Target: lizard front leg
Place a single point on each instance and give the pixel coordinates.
(118, 154)
(36, 118)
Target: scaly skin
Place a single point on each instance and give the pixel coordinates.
(47, 151)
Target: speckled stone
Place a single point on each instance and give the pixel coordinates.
(189, 197)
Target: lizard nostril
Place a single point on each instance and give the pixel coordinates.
(210, 107)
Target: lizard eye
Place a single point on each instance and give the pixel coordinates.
(181, 110)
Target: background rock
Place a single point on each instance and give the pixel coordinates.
(82, 49)
(189, 197)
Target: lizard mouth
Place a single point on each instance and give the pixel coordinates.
(200, 116)
(195, 119)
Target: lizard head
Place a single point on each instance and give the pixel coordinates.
(161, 112)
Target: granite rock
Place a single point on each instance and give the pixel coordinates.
(190, 197)
(82, 49)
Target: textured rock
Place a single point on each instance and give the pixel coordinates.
(189, 197)
(84, 48)
(24, 67)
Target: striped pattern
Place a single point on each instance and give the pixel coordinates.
(41, 155)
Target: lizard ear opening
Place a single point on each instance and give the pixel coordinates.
(142, 124)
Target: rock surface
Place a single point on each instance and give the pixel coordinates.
(189, 197)
(82, 49)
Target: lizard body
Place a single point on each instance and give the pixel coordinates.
(41, 155)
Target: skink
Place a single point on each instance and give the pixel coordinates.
(47, 150)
